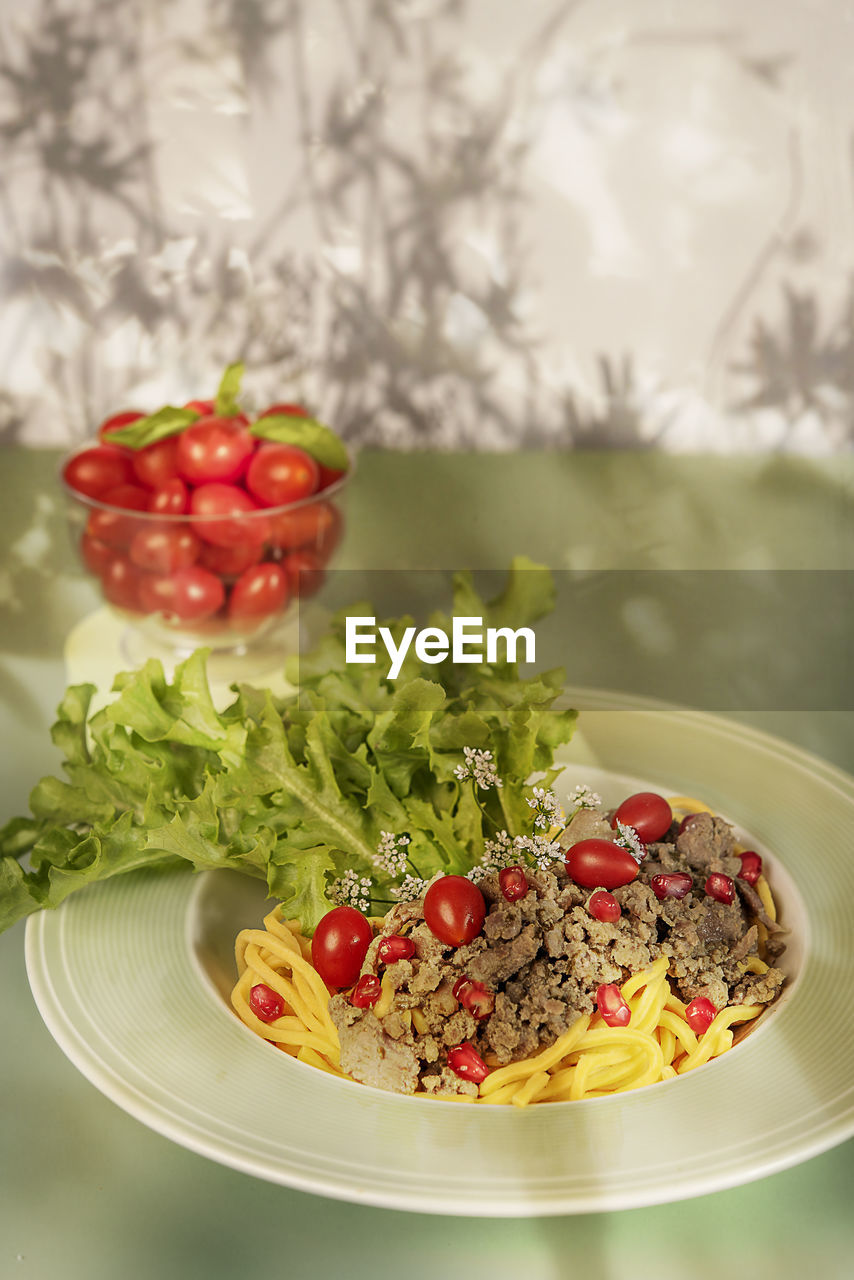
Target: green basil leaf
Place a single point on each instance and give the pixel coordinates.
(228, 390)
(309, 434)
(169, 421)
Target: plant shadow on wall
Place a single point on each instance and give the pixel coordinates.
(105, 286)
(400, 161)
(803, 366)
(405, 317)
(93, 247)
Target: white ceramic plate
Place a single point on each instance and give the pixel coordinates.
(127, 976)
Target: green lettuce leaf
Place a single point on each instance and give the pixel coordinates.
(301, 883)
(295, 790)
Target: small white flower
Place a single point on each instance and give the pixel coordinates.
(542, 850)
(629, 839)
(583, 797)
(352, 890)
(547, 810)
(480, 766)
(497, 853)
(410, 887)
(391, 853)
(504, 852)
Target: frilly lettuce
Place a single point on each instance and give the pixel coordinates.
(293, 790)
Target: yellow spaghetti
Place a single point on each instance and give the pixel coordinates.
(590, 1059)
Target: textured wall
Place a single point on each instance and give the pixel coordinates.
(479, 223)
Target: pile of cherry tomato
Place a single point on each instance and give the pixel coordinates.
(211, 529)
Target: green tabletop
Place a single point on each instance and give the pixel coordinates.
(89, 1192)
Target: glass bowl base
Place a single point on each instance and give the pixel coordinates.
(104, 643)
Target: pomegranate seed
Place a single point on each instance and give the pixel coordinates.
(466, 1062)
(700, 1015)
(513, 883)
(689, 817)
(475, 997)
(720, 887)
(604, 906)
(462, 981)
(671, 884)
(394, 947)
(366, 992)
(751, 866)
(266, 1003)
(613, 1008)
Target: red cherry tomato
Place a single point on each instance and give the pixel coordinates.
(598, 863)
(117, 421)
(317, 525)
(649, 814)
(281, 473)
(339, 945)
(93, 471)
(465, 1062)
(207, 409)
(328, 476)
(170, 499)
(266, 1003)
(121, 582)
(259, 592)
(156, 464)
(232, 504)
(214, 449)
(164, 548)
(96, 554)
(291, 410)
(305, 573)
(187, 595)
(229, 562)
(118, 526)
(127, 497)
(454, 910)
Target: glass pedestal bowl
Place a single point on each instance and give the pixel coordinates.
(227, 582)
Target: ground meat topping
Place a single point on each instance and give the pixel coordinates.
(544, 956)
(707, 845)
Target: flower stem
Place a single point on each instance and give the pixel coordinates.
(486, 814)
